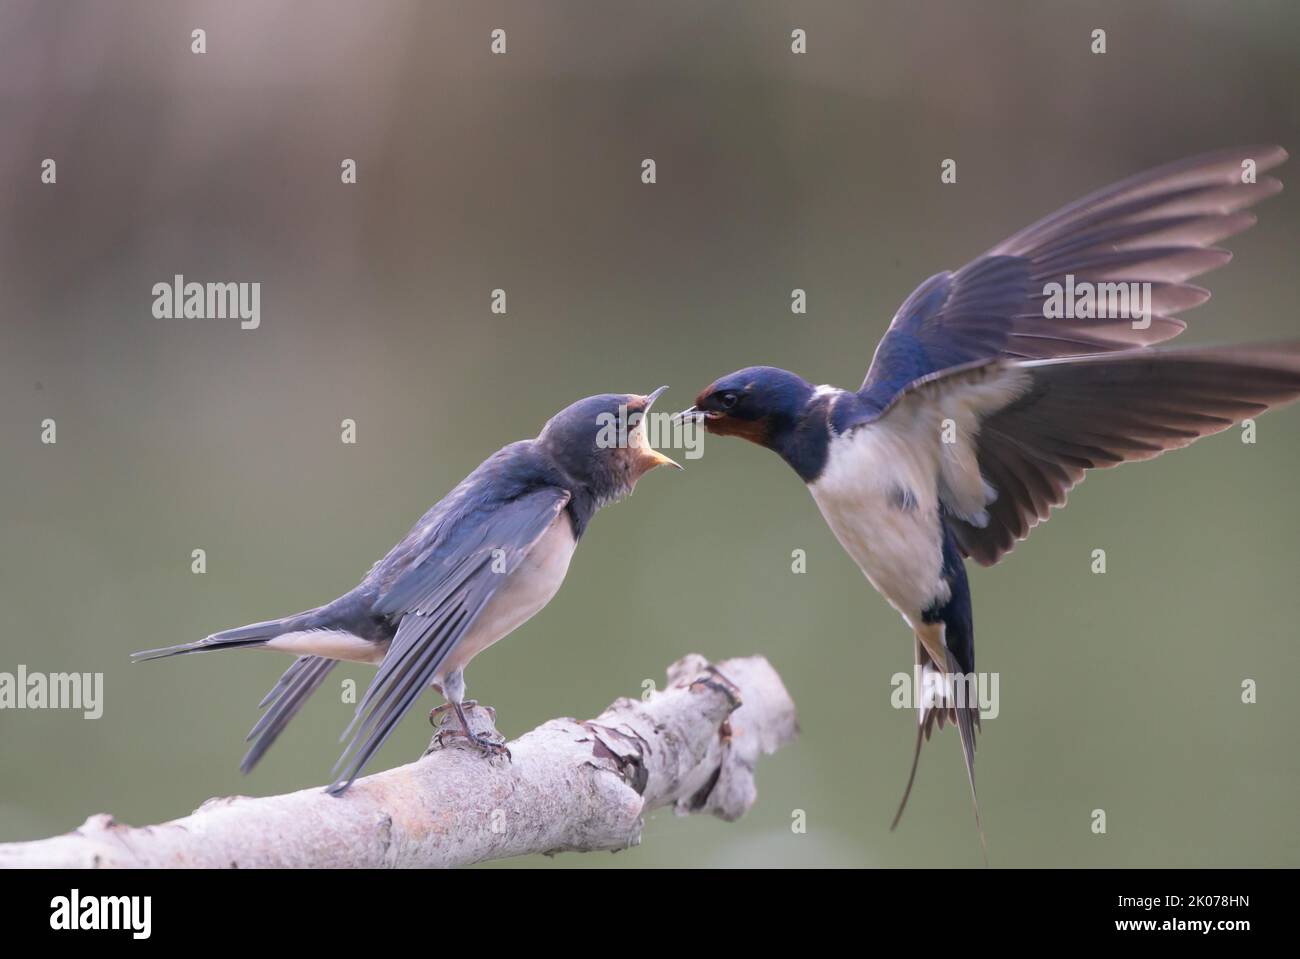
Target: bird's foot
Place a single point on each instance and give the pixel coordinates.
(469, 723)
(491, 748)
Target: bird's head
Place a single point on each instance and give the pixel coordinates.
(758, 403)
(601, 442)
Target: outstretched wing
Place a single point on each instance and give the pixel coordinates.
(1027, 430)
(1158, 227)
(438, 600)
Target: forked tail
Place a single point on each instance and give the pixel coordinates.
(254, 635)
(967, 720)
(945, 653)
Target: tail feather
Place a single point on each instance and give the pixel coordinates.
(965, 717)
(253, 635)
(286, 697)
(924, 724)
(967, 721)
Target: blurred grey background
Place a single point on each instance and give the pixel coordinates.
(775, 171)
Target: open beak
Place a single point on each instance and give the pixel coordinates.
(650, 400)
(689, 415)
(650, 456)
(658, 459)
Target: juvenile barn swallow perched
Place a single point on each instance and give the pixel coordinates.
(475, 567)
(983, 405)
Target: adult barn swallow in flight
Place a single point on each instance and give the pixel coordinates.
(475, 567)
(983, 406)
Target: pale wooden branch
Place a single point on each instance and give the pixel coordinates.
(567, 786)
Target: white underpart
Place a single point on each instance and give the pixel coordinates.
(900, 550)
(330, 643)
(530, 587)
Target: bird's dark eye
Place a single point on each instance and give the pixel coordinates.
(728, 400)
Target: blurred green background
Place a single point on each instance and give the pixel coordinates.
(775, 171)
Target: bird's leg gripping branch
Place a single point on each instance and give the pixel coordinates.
(565, 786)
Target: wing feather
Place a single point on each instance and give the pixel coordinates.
(286, 697)
(438, 601)
(1062, 417)
(1159, 227)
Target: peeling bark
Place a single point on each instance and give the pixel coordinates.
(567, 786)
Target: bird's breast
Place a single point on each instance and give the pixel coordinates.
(879, 495)
(532, 585)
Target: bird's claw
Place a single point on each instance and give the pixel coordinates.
(491, 748)
(460, 729)
(488, 747)
(437, 713)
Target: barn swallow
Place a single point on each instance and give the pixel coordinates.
(479, 564)
(984, 405)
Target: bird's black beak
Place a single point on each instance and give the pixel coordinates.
(694, 414)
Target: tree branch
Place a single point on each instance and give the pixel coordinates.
(568, 786)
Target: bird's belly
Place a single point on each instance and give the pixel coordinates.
(330, 643)
(881, 503)
(530, 587)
